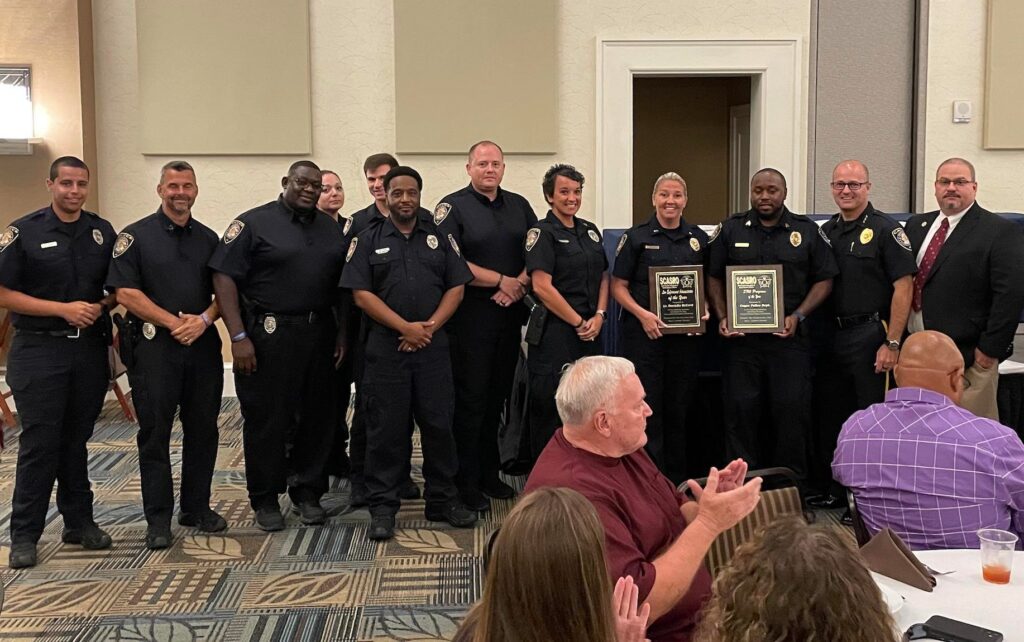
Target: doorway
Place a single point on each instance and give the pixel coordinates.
(699, 127)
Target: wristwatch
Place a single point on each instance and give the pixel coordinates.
(893, 345)
(603, 314)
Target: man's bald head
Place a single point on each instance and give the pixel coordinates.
(931, 360)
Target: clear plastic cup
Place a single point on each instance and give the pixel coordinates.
(997, 548)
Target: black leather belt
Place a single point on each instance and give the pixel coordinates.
(856, 320)
(70, 333)
(313, 316)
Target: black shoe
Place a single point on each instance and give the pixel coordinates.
(208, 522)
(357, 497)
(473, 499)
(498, 489)
(455, 514)
(269, 519)
(825, 502)
(23, 555)
(91, 537)
(310, 512)
(158, 538)
(409, 490)
(381, 527)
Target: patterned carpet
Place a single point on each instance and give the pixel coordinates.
(304, 583)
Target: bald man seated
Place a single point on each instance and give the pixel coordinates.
(923, 466)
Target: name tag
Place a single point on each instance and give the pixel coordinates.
(563, 240)
(652, 247)
(46, 245)
(741, 244)
(383, 250)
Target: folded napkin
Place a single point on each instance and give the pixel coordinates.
(887, 555)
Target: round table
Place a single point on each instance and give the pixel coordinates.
(964, 595)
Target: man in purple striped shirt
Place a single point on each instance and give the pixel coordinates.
(918, 463)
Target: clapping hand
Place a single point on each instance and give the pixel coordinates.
(630, 621)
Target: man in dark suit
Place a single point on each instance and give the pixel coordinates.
(969, 281)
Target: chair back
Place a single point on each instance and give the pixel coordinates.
(859, 529)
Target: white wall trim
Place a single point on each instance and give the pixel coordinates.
(777, 113)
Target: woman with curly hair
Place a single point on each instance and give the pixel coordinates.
(547, 579)
(796, 582)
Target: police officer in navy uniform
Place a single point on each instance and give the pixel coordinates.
(869, 307)
(566, 260)
(53, 265)
(275, 277)
(667, 364)
(409, 280)
(160, 273)
(489, 225)
(771, 369)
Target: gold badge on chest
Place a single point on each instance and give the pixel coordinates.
(431, 241)
(795, 239)
(866, 236)
(695, 244)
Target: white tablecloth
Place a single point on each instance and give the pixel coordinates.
(964, 595)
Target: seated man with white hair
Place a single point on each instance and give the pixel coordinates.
(653, 533)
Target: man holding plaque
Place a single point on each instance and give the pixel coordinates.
(664, 256)
(764, 245)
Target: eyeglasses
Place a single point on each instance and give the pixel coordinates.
(302, 183)
(853, 185)
(959, 182)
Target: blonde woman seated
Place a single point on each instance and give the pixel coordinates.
(796, 582)
(547, 579)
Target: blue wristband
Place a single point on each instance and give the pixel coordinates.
(238, 337)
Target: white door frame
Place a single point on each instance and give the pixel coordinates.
(777, 97)
(739, 189)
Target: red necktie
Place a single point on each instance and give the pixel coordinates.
(928, 261)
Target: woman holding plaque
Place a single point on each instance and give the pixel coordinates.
(566, 262)
(662, 316)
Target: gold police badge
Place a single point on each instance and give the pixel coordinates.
(695, 244)
(8, 237)
(795, 239)
(97, 236)
(234, 229)
(269, 324)
(123, 242)
(351, 248)
(531, 238)
(622, 244)
(455, 246)
(866, 236)
(431, 241)
(593, 236)
(148, 330)
(901, 238)
(441, 212)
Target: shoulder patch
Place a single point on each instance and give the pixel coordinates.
(531, 237)
(823, 236)
(123, 242)
(714, 233)
(441, 212)
(622, 244)
(455, 246)
(9, 236)
(234, 229)
(351, 249)
(593, 236)
(901, 238)
(348, 226)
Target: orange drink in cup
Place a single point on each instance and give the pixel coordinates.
(997, 548)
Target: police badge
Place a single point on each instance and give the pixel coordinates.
(148, 330)
(431, 241)
(97, 236)
(234, 229)
(622, 244)
(899, 235)
(441, 212)
(123, 242)
(795, 239)
(695, 244)
(351, 248)
(8, 237)
(866, 236)
(455, 246)
(531, 238)
(269, 324)
(593, 236)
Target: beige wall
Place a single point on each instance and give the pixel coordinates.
(353, 98)
(45, 35)
(956, 71)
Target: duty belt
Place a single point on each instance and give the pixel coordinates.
(312, 316)
(856, 320)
